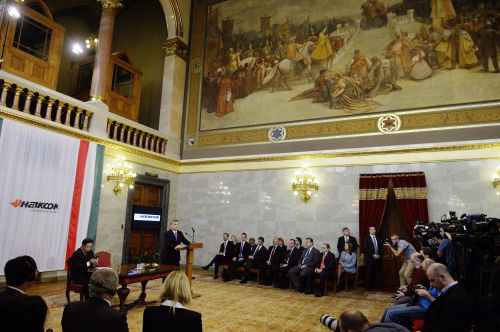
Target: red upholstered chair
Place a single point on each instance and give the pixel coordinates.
(104, 258)
(417, 324)
(72, 287)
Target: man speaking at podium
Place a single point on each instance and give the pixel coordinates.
(172, 244)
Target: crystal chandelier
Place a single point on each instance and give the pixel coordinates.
(303, 184)
(122, 174)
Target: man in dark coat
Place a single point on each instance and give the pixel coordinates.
(325, 269)
(20, 274)
(255, 260)
(172, 244)
(451, 311)
(488, 39)
(95, 313)
(81, 262)
(346, 237)
(290, 260)
(306, 265)
(372, 246)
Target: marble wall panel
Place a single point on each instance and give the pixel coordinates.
(262, 202)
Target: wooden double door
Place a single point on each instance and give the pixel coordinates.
(145, 240)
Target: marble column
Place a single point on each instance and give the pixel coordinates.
(103, 51)
(172, 98)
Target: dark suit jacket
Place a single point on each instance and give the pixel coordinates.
(450, 312)
(277, 258)
(260, 256)
(229, 250)
(7, 294)
(294, 257)
(341, 243)
(93, 314)
(312, 261)
(170, 256)
(246, 250)
(78, 265)
(330, 261)
(301, 249)
(160, 319)
(369, 248)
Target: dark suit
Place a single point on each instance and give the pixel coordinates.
(297, 275)
(275, 258)
(291, 259)
(241, 252)
(341, 244)
(7, 294)
(300, 249)
(93, 314)
(161, 318)
(328, 271)
(78, 265)
(450, 312)
(258, 260)
(169, 255)
(228, 255)
(372, 265)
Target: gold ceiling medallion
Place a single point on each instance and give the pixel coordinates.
(304, 183)
(276, 134)
(175, 46)
(389, 123)
(111, 4)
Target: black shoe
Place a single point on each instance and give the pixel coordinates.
(318, 294)
(262, 283)
(206, 267)
(216, 277)
(243, 281)
(301, 290)
(307, 292)
(226, 279)
(268, 284)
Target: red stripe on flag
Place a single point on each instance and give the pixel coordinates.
(77, 198)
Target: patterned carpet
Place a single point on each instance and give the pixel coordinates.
(234, 307)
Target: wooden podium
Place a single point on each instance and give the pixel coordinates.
(189, 260)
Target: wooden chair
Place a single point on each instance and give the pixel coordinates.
(104, 258)
(72, 287)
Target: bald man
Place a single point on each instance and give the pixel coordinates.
(451, 311)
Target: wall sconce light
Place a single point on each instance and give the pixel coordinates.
(496, 180)
(304, 184)
(92, 41)
(122, 174)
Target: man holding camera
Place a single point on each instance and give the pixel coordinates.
(446, 251)
(354, 321)
(404, 294)
(407, 249)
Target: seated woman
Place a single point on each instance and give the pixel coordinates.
(347, 261)
(171, 314)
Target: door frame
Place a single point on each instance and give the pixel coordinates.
(164, 184)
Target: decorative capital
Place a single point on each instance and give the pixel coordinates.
(111, 4)
(175, 46)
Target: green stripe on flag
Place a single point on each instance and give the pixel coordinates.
(96, 193)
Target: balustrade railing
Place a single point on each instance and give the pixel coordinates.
(33, 100)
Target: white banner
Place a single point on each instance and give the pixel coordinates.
(37, 183)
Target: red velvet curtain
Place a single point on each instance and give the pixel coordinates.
(372, 202)
(411, 196)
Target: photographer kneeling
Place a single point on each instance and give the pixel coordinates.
(416, 308)
(405, 248)
(354, 321)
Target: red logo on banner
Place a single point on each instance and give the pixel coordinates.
(16, 203)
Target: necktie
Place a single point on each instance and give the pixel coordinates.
(304, 261)
(175, 233)
(241, 250)
(346, 239)
(255, 252)
(225, 246)
(272, 253)
(323, 261)
(289, 254)
(375, 243)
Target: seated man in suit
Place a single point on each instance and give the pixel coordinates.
(172, 240)
(298, 245)
(256, 260)
(325, 269)
(243, 250)
(95, 313)
(346, 237)
(225, 255)
(275, 255)
(451, 311)
(171, 315)
(307, 263)
(20, 274)
(80, 262)
(290, 260)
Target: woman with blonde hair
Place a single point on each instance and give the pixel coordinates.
(171, 315)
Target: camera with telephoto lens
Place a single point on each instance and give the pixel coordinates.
(330, 322)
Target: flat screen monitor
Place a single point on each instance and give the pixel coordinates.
(146, 217)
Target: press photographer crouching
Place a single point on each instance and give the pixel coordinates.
(405, 294)
(399, 247)
(417, 305)
(355, 321)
